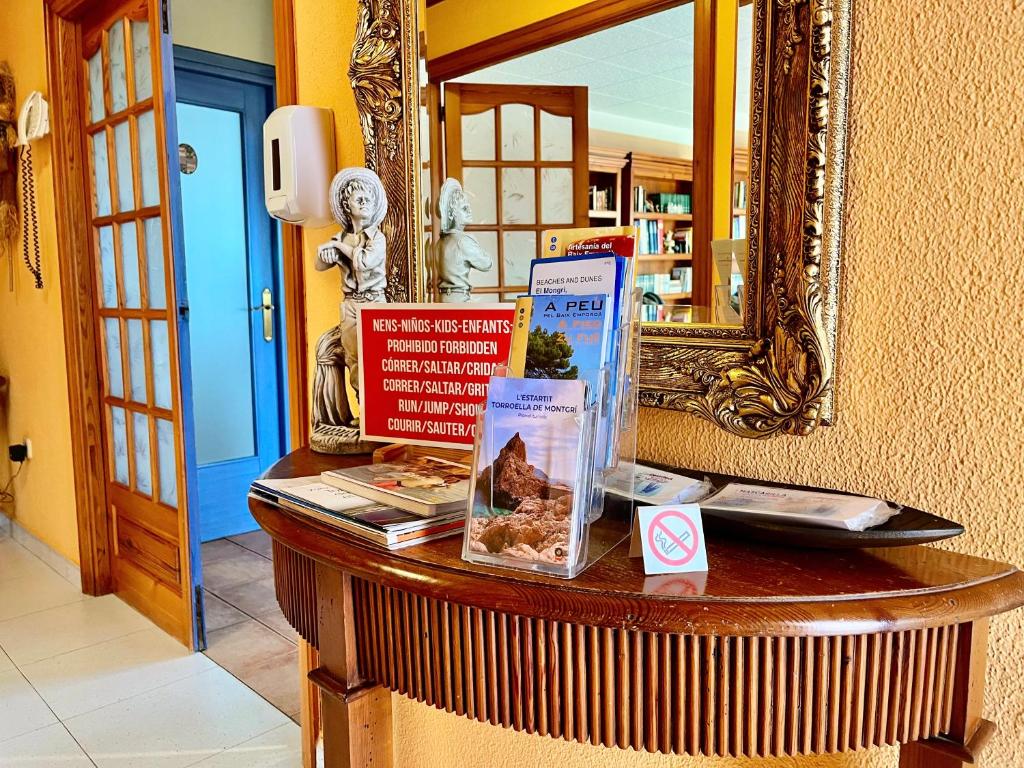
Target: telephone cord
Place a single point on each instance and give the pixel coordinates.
(29, 217)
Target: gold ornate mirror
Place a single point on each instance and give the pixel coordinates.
(715, 127)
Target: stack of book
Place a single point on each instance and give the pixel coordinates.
(683, 238)
(639, 199)
(393, 505)
(739, 227)
(600, 199)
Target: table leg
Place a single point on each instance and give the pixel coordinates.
(309, 695)
(355, 713)
(968, 731)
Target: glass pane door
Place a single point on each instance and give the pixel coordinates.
(135, 306)
(521, 153)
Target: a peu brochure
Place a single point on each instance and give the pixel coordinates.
(588, 274)
(561, 337)
(742, 501)
(524, 502)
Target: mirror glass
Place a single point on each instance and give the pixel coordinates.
(531, 157)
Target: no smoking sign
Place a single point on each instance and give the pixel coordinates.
(672, 539)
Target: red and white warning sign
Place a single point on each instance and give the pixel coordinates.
(672, 539)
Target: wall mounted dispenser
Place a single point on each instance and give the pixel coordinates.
(298, 164)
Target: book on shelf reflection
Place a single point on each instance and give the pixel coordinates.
(656, 237)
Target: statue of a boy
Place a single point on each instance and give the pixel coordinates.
(359, 251)
(457, 251)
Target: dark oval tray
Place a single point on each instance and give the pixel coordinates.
(910, 526)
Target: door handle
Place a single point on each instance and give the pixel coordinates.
(267, 308)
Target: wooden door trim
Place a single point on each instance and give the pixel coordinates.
(703, 165)
(578, 22)
(293, 267)
(78, 291)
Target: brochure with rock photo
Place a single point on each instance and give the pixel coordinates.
(744, 501)
(524, 501)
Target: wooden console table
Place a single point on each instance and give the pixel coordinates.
(776, 652)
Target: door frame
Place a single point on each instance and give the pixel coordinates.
(78, 281)
(230, 74)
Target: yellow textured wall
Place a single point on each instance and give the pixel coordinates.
(31, 330)
(930, 405)
(324, 31)
(455, 24)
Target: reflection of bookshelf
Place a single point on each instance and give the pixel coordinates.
(613, 179)
(606, 167)
(660, 197)
(617, 174)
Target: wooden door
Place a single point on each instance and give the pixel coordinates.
(521, 153)
(124, 126)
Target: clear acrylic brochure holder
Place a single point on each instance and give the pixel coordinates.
(531, 510)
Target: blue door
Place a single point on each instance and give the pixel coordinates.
(232, 273)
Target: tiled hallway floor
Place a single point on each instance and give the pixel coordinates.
(88, 681)
(246, 633)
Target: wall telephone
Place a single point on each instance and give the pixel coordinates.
(33, 123)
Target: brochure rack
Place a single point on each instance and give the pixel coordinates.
(538, 498)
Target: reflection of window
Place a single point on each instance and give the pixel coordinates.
(514, 152)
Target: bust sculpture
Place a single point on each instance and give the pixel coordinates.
(359, 252)
(458, 252)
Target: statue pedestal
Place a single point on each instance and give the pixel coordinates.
(339, 441)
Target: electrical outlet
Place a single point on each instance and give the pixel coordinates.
(28, 448)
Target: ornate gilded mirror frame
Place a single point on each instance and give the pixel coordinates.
(772, 375)
(383, 75)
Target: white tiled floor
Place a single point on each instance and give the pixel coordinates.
(90, 682)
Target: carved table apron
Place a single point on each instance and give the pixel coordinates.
(780, 652)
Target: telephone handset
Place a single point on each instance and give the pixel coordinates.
(34, 120)
(33, 123)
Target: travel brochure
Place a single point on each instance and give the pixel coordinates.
(423, 486)
(526, 497)
(562, 337)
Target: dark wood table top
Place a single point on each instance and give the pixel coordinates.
(749, 589)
